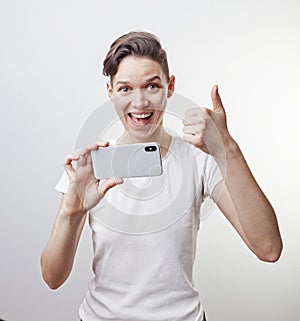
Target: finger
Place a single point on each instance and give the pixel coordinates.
(198, 119)
(189, 130)
(190, 120)
(195, 140)
(95, 147)
(69, 159)
(193, 129)
(199, 112)
(68, 162)
(89, 158)
(81, 152)
(102, 143)
(109, 183)
(84, 154)
(216, 100)
(192, 112)
(84, 151)
(192, 139)
(82, 160)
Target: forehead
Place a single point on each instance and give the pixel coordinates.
(133, 68)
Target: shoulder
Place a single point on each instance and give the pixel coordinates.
(193, 158)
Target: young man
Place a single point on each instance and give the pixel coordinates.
(149, 275)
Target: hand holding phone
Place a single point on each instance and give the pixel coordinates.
(84, 190)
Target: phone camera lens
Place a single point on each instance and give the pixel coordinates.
(150, 148)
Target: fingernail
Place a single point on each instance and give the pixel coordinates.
(119, 180)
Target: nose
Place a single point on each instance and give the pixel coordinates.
(139, 99)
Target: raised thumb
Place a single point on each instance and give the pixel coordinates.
(216, 100)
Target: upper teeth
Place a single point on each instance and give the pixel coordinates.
(141, 115)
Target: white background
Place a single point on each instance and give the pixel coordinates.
(50, 59)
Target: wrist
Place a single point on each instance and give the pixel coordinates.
(72, 215)
(229, 151)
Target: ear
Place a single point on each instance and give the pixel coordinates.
(109, 89)
(171, 86)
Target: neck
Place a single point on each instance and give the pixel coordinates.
(160, 136)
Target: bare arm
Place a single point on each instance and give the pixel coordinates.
(84, 192)
(246, 207)
(58, 255)
(239, 197)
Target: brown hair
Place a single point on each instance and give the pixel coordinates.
(135, 43)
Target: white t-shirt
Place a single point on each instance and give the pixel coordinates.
(144, 238)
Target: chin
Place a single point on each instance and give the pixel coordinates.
(146, 133)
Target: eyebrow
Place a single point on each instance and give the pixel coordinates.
(124, 82)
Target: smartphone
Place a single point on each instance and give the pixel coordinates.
(128, 160)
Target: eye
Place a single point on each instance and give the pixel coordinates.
(124, 90)
(152, 87)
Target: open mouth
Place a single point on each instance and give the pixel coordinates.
(141, 119)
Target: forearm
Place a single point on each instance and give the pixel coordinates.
(84, 192)
(255, 213)
(58, 255)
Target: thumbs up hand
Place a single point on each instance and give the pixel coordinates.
(206, 128)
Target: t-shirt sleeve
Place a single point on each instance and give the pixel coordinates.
(63, 183)
(211, 176)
